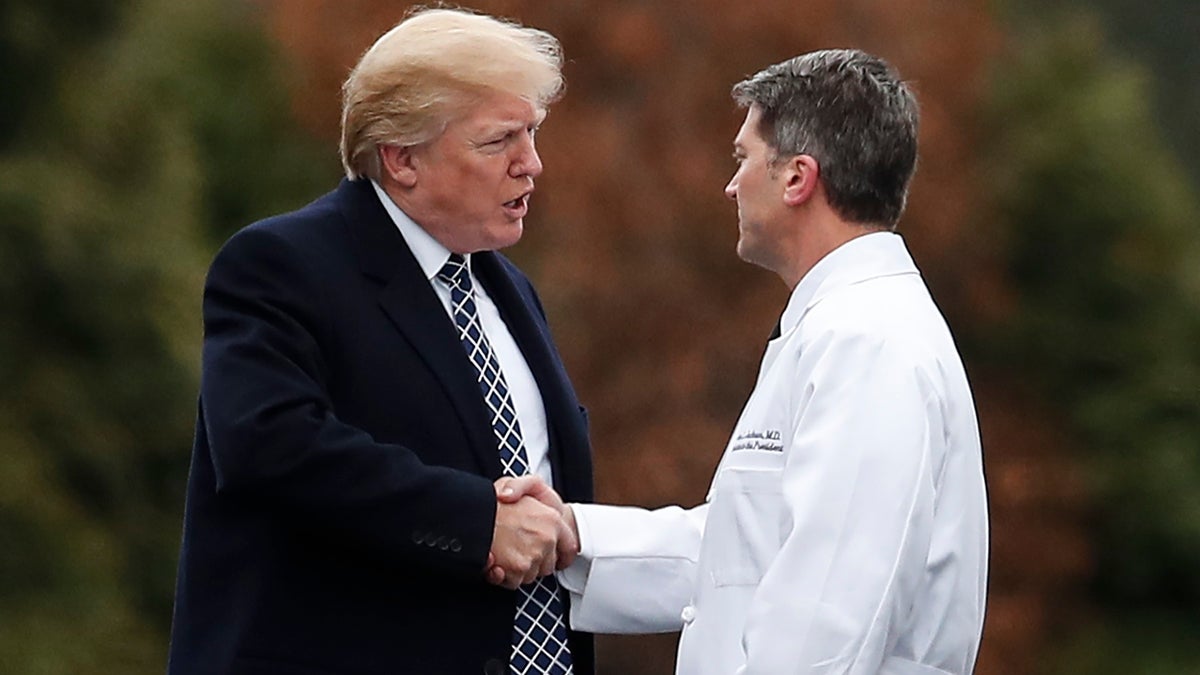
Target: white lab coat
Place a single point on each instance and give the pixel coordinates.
(846, 529)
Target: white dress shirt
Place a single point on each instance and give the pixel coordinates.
(845, 531)
(527, 398)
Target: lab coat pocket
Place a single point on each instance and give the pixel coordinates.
(743, 522)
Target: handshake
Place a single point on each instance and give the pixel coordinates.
(535, 533)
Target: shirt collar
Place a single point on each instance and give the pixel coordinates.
(870, 256)
(429, 252)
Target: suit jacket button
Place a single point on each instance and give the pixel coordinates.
(493, 667)
(443, 544)
(455, 545)
(418, 537)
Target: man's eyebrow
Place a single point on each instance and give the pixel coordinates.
(494, 128)
(513, 124)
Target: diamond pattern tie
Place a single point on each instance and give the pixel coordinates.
(539, 629)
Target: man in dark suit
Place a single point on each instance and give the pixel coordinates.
(371, 367)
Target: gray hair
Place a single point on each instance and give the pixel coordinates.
(850, 112)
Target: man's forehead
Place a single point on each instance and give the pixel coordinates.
(748, 131)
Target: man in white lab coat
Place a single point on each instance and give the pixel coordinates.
(846, 527)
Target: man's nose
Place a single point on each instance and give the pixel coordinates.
(528, 162)
(731, 188)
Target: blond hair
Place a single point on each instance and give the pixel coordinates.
(411, 82)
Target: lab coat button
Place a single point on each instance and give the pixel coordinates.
(688, 614)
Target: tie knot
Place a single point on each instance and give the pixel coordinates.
(454, 272)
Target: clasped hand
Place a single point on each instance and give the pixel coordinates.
(535, 532)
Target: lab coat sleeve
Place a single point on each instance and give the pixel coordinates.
(858, 496)
(636, 569)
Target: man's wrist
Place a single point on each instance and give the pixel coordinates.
(569, 516)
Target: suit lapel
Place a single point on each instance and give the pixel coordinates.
(412, 306)
(527, 330)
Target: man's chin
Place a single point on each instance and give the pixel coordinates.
(745, 251)
(508, 234)
(754, 256)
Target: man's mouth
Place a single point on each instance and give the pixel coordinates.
(518, 207)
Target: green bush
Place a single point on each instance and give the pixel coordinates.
(1100, 223)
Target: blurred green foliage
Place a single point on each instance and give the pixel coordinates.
(1151, 643)
(1099, 221)
(1162, 34)
(133, 137)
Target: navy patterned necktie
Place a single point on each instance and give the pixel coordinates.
(539, 644)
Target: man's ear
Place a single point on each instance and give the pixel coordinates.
(801, 174)
(399, 163)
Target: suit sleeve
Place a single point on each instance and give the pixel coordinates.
(858, 492)
(276, 442)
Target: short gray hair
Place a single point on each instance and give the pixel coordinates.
(849, 111)
(411, 82)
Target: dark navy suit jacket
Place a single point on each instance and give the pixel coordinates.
(340, 505)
